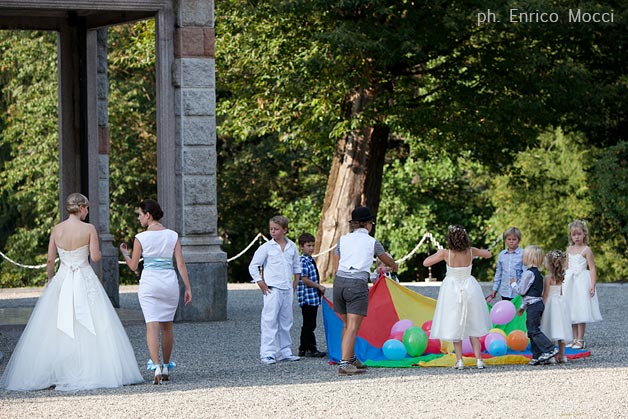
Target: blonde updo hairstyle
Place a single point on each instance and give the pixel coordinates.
(74, 202)
(457, 238)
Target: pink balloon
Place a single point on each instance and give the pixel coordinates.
(401, 326)
(397, 335)
(493, 336)
(467, 348)
(503, 312)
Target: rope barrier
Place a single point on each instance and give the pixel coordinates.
(248, 247)
(426, 236)
(23, 266)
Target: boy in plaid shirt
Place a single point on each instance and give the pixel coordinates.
(309, 293)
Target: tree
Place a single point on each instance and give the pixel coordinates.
(363, 71)
(28, 140)
(545, 190)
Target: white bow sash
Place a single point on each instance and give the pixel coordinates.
(73, 303)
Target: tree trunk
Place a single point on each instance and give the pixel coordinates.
(355, 179)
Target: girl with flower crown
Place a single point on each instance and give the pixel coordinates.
(556, 321)
(461, 310)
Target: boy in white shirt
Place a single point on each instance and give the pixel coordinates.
(276, 268)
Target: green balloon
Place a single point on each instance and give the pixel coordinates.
(415, 341)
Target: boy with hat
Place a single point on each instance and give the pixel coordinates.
(353, 259)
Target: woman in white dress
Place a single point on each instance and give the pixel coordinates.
(159, 285)
(74, 339)
(461, 310)
(556, 321)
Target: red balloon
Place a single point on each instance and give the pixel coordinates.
(427, 327)
(433, 346)
(482, 345)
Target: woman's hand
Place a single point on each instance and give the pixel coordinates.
(187, 296)
(124, 250)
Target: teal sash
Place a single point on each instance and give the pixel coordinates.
(158, 263)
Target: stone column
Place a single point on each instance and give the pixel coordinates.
(110, 274)
(195, 160)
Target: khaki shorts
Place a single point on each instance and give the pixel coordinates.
(351, 296)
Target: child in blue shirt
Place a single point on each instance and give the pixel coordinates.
(309, 294)
(509, 265)
(272, 268)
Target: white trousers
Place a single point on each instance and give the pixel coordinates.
(276, 324)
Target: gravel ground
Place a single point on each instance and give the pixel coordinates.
(219, 376)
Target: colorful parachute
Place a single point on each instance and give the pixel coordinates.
(390, 302)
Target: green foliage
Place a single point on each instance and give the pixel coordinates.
(609, 189)
(28, 152)
(426, 195)
(133, 157)
(549, 186)
(257, 181)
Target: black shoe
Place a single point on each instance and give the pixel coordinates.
(547, 355)
(315, 354)
(301, 353)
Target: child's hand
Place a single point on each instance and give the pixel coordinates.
(493, 294)
(262, 285)
(520, 312)
(513, 280)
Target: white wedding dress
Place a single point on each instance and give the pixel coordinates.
(74, 339)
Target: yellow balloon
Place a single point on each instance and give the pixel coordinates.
(498, 330)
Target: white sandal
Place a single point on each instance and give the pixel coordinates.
(579, 344)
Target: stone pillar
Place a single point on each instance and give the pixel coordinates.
(110, 273)
(195, 160)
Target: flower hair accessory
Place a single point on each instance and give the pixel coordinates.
(556, 254)
(456, 229)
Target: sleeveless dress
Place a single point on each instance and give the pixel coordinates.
(461, 310)
(159, 285)
(583, 307)
(556, 320)
(74, 339)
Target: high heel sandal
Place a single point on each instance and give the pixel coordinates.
(165, 370)
(151, 366)
(158, 377)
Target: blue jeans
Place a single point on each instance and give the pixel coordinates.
(539, 343)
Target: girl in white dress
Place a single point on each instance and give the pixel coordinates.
(579, 289)
(556, 320)
(159, 285)
(461, 310)
(74, 339)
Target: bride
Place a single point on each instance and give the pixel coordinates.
(74, 339)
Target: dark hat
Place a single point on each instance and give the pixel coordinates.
(361, 214)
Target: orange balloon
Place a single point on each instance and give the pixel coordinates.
(517, 340)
